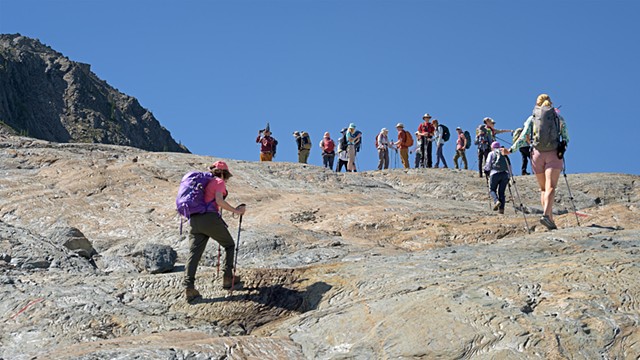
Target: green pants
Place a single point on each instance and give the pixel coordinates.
(203, 227)
(303, 155)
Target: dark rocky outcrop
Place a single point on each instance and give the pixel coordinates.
(159, 258)
(45, 95)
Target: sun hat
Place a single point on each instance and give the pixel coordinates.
(343, 130)
(326, 134)
(296, 133)
(221, 165)
(384, 130)
(489, 119)
(400, 125)
(352, 126)
(426, 116)
(458, 128)
(495, 145)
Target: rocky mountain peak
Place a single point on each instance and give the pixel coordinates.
(45, 95)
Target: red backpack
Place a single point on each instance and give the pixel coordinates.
(329, 146)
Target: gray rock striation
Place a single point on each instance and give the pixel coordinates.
(385, 264)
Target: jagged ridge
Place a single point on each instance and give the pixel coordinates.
(45, 95)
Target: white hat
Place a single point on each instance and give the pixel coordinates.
(400, 125)
(384, 130)
(426, 116)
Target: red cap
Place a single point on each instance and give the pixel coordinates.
(219, 165)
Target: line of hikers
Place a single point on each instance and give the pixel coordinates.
(201, 196)
(349, 144)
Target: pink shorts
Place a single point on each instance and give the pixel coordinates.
(543, 160)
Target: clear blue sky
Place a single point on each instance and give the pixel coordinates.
(214, 72)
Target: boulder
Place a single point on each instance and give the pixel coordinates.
(74, 240)
(159, 258)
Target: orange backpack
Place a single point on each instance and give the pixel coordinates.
(408, 139)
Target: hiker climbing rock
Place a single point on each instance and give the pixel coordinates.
(405, 141)
(353, 139)
(207, 222)
(426, 131)
(303, 140)
(498, 170)
(343, 157)
(441, 135)
(549, 138)
(382, 144)
(491, 129)
(267, 145)
(419, 150)
(525, 150)
(328, 147)
(484, 146)
(461, 146)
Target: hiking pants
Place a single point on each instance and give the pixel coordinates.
(439, 156)
(266, 156)
(460, 154)
(482, 157)
(383, 159)
(303, 155)
(341, 164)
(419, 160)
(498, 182)
(526, 153)
(404, 156)
(327, 160)
(203, 227)
(429, 154)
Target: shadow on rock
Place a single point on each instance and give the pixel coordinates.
(276, 296)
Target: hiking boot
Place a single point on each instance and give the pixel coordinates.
(548, 223)
(496, 206)
(226, 281)
(524, 173)
(501, 211)
(191, 294)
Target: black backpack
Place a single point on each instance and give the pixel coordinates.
(445, 133)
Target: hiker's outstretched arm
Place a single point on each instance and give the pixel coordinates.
(223, 204)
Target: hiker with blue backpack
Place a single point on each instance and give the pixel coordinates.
(549, 137)
(201, 199)
(353, 140)
(498, 170)
(442, 136)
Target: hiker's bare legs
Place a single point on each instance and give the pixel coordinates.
(548, 181)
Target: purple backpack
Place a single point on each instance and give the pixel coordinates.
(190, 198)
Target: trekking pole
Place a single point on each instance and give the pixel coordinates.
(235, 261)
(513, 201)
(503, 140)
(486, 178)
(575, 211)
(218, 264)
(395, 160)
(526, 223)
